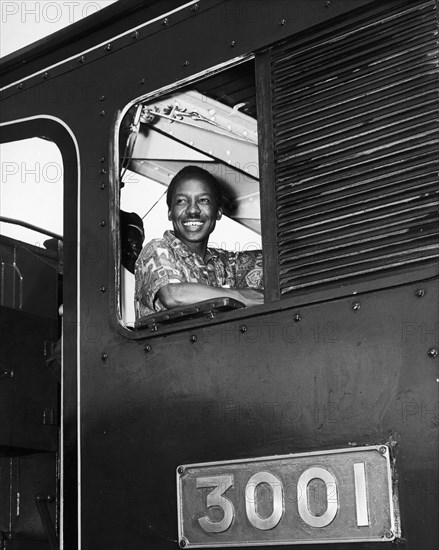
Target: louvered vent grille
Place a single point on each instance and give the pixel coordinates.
(355, 122)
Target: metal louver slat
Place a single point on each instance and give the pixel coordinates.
(356, 146)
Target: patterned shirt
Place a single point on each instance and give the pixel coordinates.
(168, 260)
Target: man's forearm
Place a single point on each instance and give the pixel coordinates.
(181, 294)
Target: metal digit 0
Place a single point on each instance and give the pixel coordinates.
(331, 492)
(217, 498)
(264, 524)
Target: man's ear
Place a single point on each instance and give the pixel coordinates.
(169, 215)
(219, 214)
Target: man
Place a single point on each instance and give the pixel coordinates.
(180, 269)
(131, 237)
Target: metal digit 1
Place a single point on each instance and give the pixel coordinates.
(250, 501)
(216, 498)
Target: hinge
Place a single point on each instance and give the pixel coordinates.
(50, 417)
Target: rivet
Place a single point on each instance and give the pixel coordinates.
(193, 339)
(147, 348)
(102, 160)
(297, 318)
(108, 47)
(388, 534)
(103, 185)
(154, 327)
(186, 63)
(356, 306)
(104, 356)
(243, 329)
(102, 98)
(20, 86)
(232, 44)
(195, 8)
(103, 289)
(382, 450)
(182, 543)
(82, 59)
(45, 76)
(102, 113)
(420, 293)
(180, 470)
(328, 3)
(135, 35)
(103, 171)
(142, 82)
(165, 22)
(282, 22)
(103, 223)
(433, 352)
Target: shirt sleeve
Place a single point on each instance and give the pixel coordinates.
(156, 267)
(249, 270)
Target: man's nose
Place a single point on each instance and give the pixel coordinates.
(193, 207)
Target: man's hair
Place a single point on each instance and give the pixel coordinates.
(195, 172)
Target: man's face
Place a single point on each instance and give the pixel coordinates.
(131, 248)
(194, 212)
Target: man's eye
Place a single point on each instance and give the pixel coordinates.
(180, 201)
(205, 201)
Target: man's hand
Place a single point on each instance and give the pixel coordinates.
(182, 294)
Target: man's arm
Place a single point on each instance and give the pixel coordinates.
(181, 294)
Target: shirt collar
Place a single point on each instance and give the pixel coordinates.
(184, 250)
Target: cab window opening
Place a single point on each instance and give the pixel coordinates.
(210, 126)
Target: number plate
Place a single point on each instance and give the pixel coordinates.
(322, 497)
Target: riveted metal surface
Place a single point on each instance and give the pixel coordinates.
(338, 378)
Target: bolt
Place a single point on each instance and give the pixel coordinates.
(103, 185)
(232, 44)
(182, 543)
(102, 113)
(108, 47)
(195, 8)
(82, 59)
(104, 356)
(147, 348)
(103, 171)
(433, 352)
(103, 223)
(45, 76)
(193, 339)
(103, 289)
(102, 160)
(243, 329)
(388, 534)
(356, 306)
(420, 293)
(165, 22)
(142, 82)
(297, 318)
(180, 470)
(102, 98)
(20, 86)
(135, 35)
(328, 3)
(282, 22)
(382, 450)
(186, 63)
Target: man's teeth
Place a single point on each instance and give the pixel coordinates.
(193, 224)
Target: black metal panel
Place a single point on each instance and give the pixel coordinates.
(29, 391)
(22, 478)
(356, 146)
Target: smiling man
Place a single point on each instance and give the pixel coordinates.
(180, 269)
